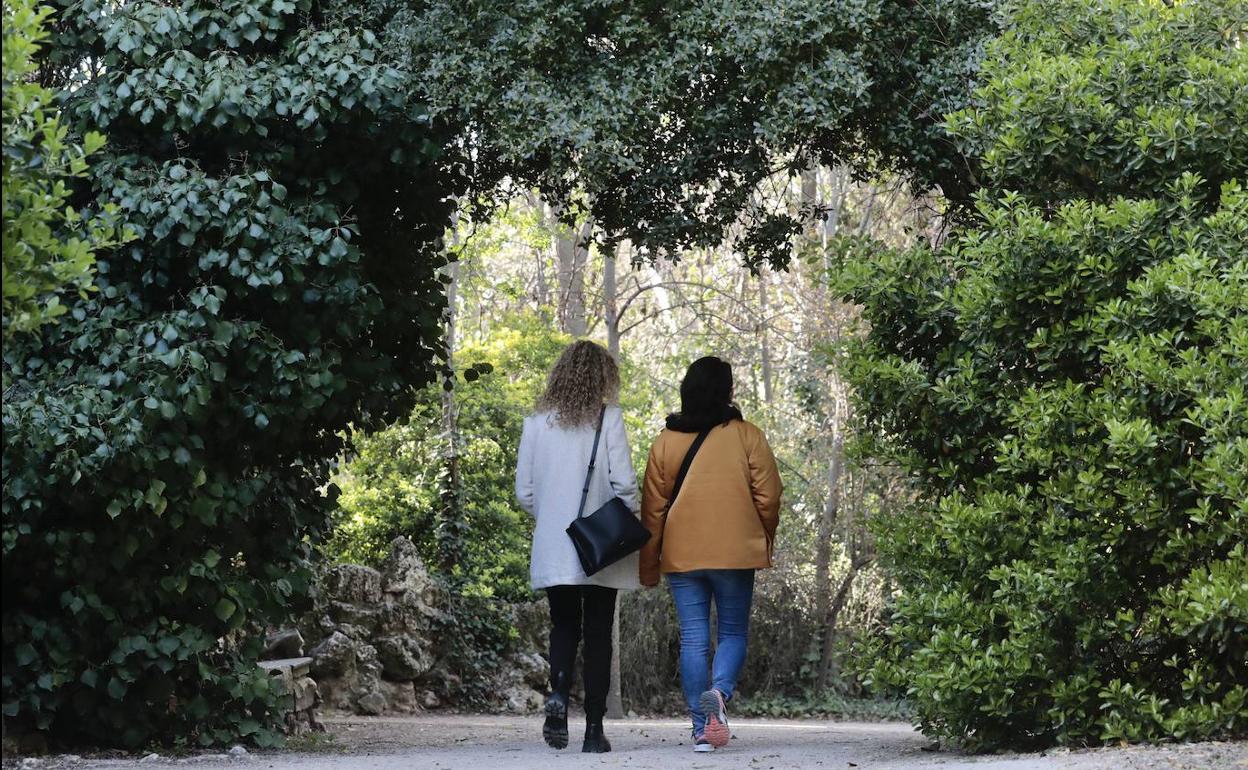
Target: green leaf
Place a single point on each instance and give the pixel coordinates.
(225, 609)
(116, 688)
(167, 644)
(24, 654)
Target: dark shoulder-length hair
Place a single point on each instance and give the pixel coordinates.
(705, 397)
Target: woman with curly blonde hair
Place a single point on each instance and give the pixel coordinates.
(578, 410)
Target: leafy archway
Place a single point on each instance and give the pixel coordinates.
(288, 167)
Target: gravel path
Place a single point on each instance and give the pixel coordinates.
(514, 743)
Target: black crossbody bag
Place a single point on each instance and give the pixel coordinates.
(612, 532)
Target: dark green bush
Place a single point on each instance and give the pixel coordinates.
(166, 444)
(1067, 381)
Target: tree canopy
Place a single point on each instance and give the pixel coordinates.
(665, 117)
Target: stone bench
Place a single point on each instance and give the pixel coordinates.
(302, 690)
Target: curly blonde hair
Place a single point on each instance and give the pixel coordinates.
(583, 379)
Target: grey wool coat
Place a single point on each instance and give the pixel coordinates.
(550, 472)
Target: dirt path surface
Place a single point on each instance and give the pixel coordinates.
(514, 743)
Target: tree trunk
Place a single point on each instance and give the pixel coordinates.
(571, 255)
(610, 307)
(610, 311)
(764, 342)
(810, 201)
(865, 226)
(541, 292)
(615, 697)
(823, 548)
(450, 533)
(829, 625)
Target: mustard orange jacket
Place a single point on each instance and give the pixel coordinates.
(726, 514)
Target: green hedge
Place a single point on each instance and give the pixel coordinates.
(1067, 381)
(166, 444)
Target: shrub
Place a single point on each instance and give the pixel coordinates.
(48, 246)
(1067, 380)
(165, 446)
(395, 482)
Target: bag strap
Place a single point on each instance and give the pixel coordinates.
(592, 457)
(684, 467)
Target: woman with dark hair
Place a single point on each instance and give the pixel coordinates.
(577, 425)
(711, 500)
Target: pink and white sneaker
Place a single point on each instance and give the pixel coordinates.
(717, 732)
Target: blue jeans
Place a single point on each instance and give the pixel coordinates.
(733, 591)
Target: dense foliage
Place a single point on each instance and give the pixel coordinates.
(668, 116)
(395, 482)
(1067, 379)
(166, 445)
(48, 247)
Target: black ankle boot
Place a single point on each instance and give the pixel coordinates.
(555, 728)
(595, 741)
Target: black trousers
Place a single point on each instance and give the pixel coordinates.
(582, 612)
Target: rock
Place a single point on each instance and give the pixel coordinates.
(153, 757)
(287, 643)
(288, 669)
(367, 686)
(411, 601)
(357, 633)
(348, 672)
(368, 665)
(238, 752)
(403, 658)
(335, 656)
(361, 615)
(530, 668)
(306, 693)
(532, 622)
(403, 569)
(353, 584)
(430, 699)
(400, 697)
(522, 700)
(335, 694)
(403, 572)
(372, 704)
(405, 618)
